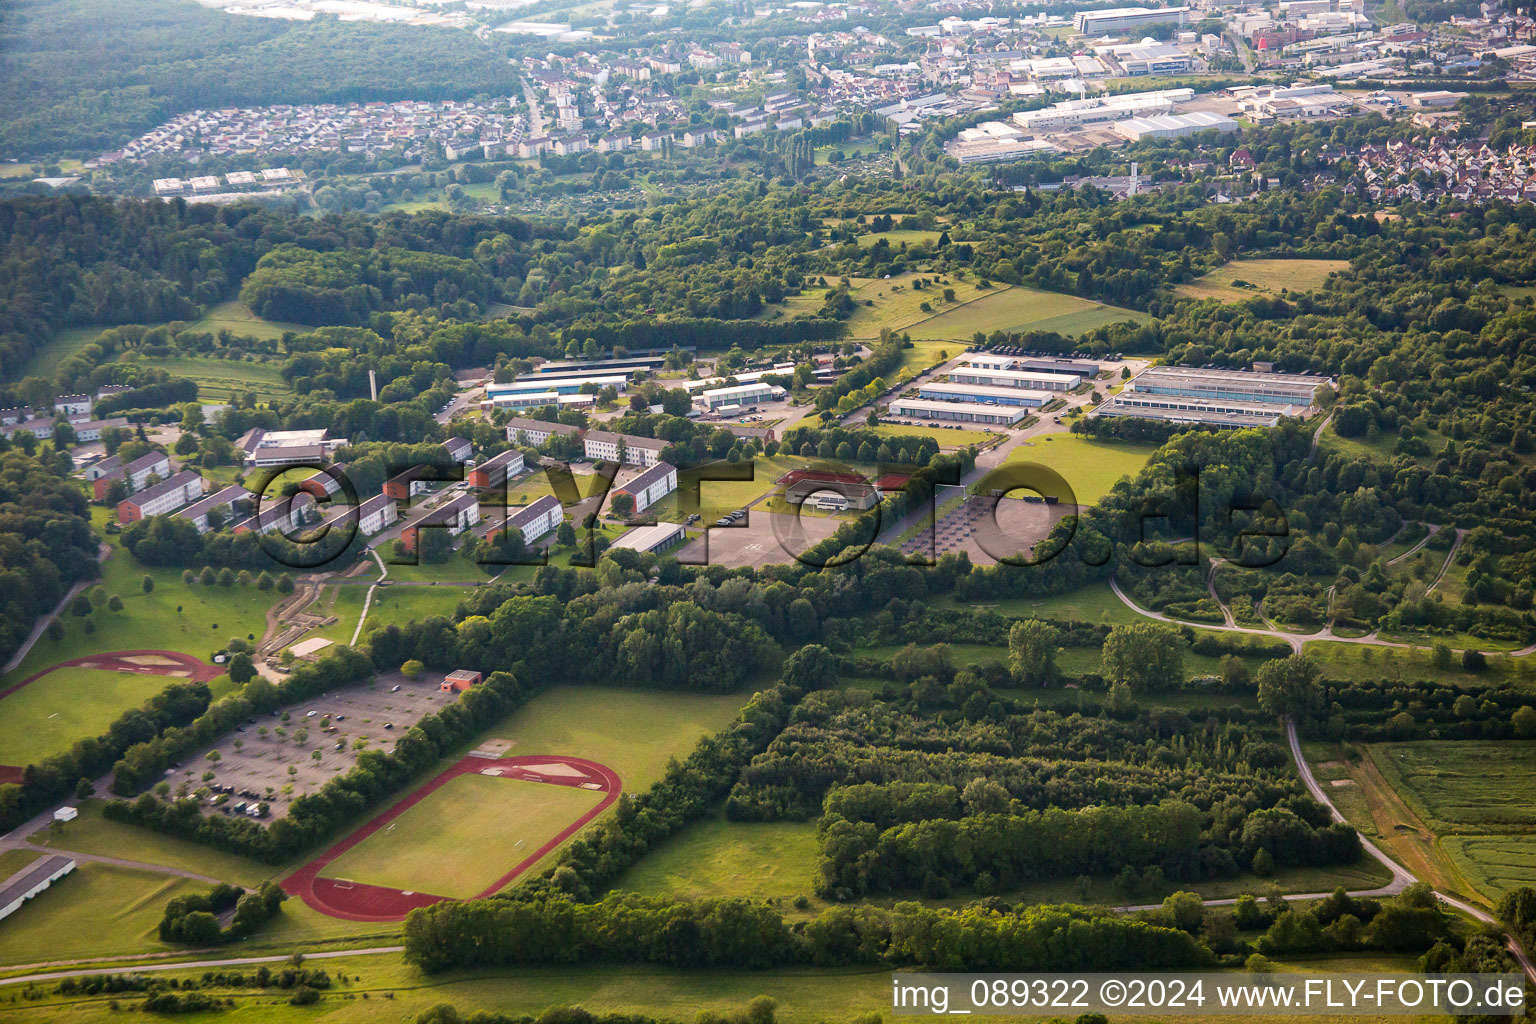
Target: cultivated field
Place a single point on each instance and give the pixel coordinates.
(1266, 276)
(1465, 786)
(59, 348)
(1495, 864)
(1089, 467)
(220, 379)
(1021, 309)
(463, 837)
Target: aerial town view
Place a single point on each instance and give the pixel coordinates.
(785, 512)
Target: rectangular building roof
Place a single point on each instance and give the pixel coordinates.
(649, 477)
(648, 538)
(29, 877)
(523, 516)
(1021, 377)
(541, 426)
(987, 391)
(1013, 413)
(227, 496)
(174, 483)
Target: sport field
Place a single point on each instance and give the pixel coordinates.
(903, 309)
(1267, 277)
(633, 732)
(49, 715)
(463, 837)
(99, 910)
(1089, 467)
(219, 379)
(194, 619)
(1022, 309)
(1469, 786)
(758, 860)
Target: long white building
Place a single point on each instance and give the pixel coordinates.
(635, 451)
(1123, 20)
(1029, 379)
(741, 394)
(959, 412)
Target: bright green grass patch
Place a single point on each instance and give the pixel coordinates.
(1494, 864)
(99, 910)
(12, 861)
(1362, 662)
(463, 837)
(1089, 467)
(218, 379)
(49, 715)
(633, 732)
(175, 616)
(1022, 309)
(1266, 276)
(925, 354)
(947, 438)
(93, 833)
(1464, 786)
(58, 348)
(903, 309)
(716, 857)
(895, 237)
(1094, 603)
(237, 318)
(397, 606)
(804, 995)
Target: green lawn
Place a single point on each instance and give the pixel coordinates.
(925, 354)
(1022, 309)
(716, 857)
(12, 861)
(99, 910)
(58, 348)
(947, 438)
(633, 732)
(48, 716)
(464, 836)
(1089, 467)
(1361, 662)
(93, 833)
(898, 306)
(897, 236)
(1266, 275)
(804, 995)
(1093, 603)
(237, 318)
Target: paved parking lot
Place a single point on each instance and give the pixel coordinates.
(767, 538)
(256, 758)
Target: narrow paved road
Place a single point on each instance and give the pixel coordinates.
(1401, 876)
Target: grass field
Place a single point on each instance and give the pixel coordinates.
(1361, 662)
(1495, 864)
(901, 310)
(1466, 786)
(463, 837)
(1267, 276)
(716, 857)
(895, 237)
(220, 379)
(93, 833)
(1021, 309)
(99, 910)
(49, 715)
(1089, 467)
(58, 348)
(236, 317)
(947, 438)
(804, 995)
(1094, 603)
(12, 861)
(633, 732)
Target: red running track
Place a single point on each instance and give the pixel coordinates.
(185, 667)
(356, 901)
